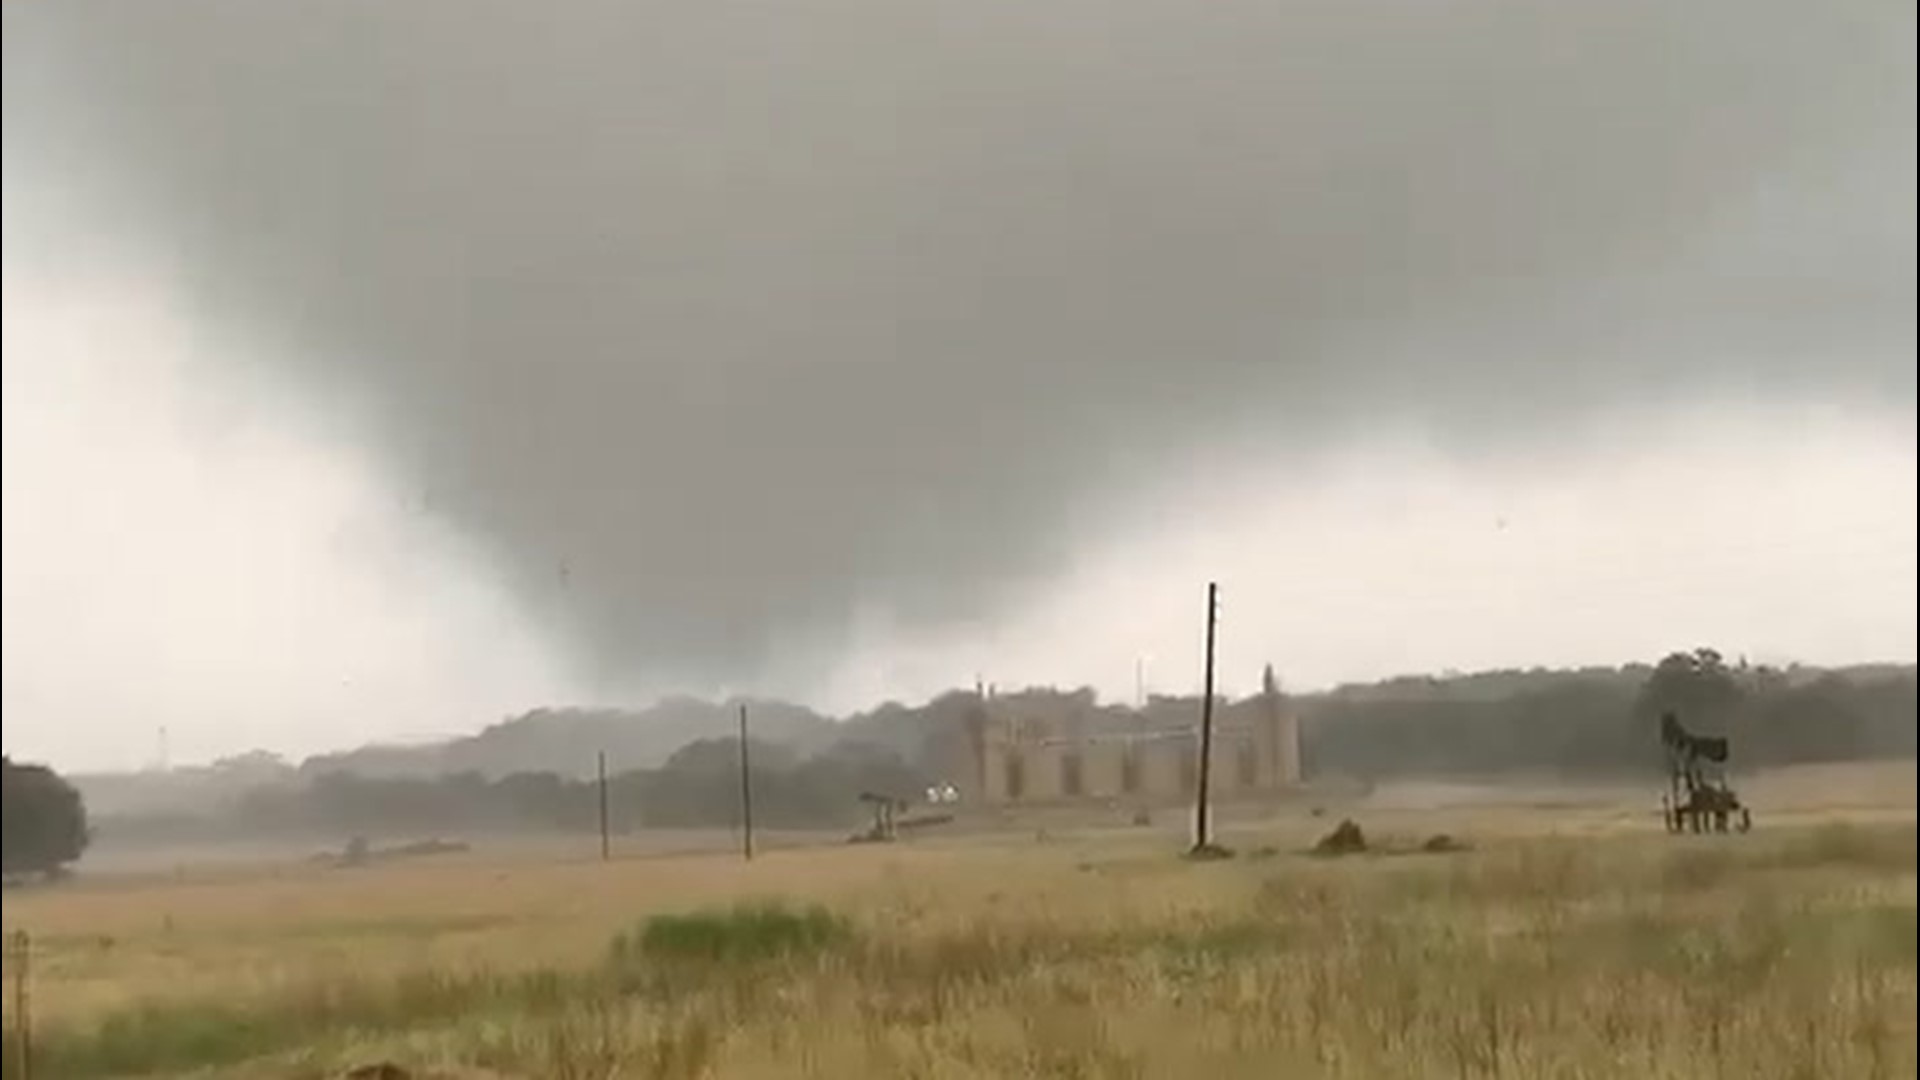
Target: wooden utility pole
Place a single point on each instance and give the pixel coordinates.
(1202, 812)
(746, 791)
(604, 851)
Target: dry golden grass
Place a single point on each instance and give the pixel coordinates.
(1606, 950)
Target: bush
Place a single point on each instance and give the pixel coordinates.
(45, 822)
(742, 934)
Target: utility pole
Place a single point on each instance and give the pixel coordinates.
(604, 852)
(746, 791)
(1202, 816)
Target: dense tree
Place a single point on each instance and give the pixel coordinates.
(722, 756)
(698, 786)
(1697, 687)
(1606, 720)
(43, 819)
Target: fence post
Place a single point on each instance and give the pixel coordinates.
(22, 948)
(601, 771)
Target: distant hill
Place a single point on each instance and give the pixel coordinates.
(1574, 721)
(1486, 720)
(182, 790)
(565, 742)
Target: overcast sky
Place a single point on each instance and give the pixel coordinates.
(375, 371)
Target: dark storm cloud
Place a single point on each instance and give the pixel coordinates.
(711, 319)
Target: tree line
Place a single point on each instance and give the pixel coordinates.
(698, 786)
(1605, 721)
(1600, 722)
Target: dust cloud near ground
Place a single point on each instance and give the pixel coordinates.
(1794, 789)
(1518, 804)
(1573, 938)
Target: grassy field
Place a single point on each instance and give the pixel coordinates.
(1569, 942)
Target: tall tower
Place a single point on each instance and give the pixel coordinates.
(1281, 732)
(991, 746)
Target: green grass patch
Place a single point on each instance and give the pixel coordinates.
(745, 934)
(169, 1036)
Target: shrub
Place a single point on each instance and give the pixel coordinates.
(743, 934)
